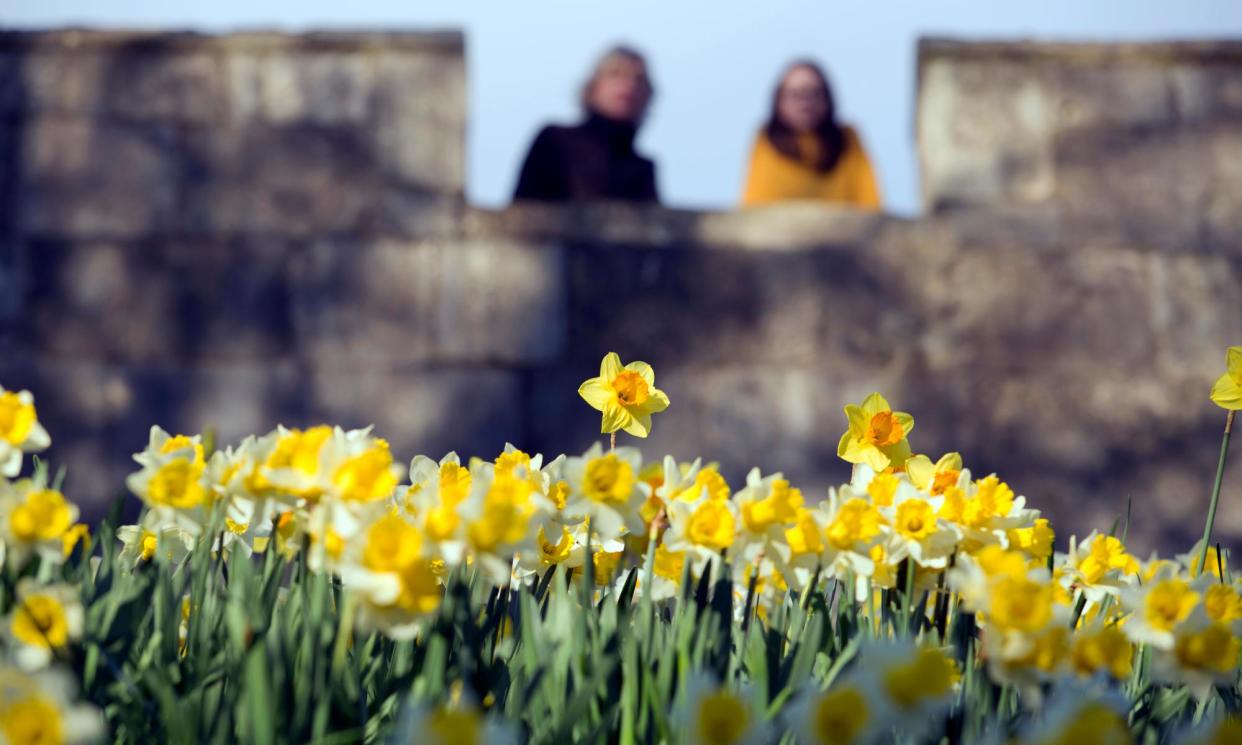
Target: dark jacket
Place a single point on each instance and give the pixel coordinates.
(594, 160)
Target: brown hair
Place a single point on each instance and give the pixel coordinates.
(614, 53)
(829, 133)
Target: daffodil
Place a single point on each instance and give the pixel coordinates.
(457, 723)
(876, 435)
(387, 565)
(1158, 608)
(911, 685)
(20, 430)
(701, 529)
(1080, 713)
(707, 713)
(768, 506)
(1102, 648)
(1227, 392)
(44, 620)
(433, 500)
(605, 489)
(845, 714)
(626, 394)
(43, 708)
(1202, 653)
(34, 519)
(173, 481)
(934, 478)
(498, 516)
(143, 541)
(1099, 565)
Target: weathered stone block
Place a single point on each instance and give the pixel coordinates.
(427, 410)
(297, 180)
(95, 178)
(286, 86)
(419, 128)
(390, 302)
(985, 133)
(157, 303)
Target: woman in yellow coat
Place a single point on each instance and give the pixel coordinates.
(803, 153)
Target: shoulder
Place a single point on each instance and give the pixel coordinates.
(853, 141)
(552, 133)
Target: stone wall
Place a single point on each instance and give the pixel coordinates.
(1144, 137)
(209, 269)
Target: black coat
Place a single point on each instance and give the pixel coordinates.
(594, 160)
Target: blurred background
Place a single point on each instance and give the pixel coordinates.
(298, 213)
(714, 66)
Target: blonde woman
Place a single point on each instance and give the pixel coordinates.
(595, 159)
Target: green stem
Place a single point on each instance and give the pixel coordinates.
(1220, 475)
(907, 602)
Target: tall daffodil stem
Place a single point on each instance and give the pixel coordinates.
(1220, 475)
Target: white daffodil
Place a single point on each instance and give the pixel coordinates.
(767, 506)
(707, 713)
(605, 489)
(845, 714)
(20, 430)
(44, 707)
(34, 519)
(462, 723)
(44, 620)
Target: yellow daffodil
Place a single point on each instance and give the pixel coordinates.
(626, 395)
(1227, 393)
(876, 435)
(934, 478)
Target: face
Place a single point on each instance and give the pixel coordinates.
(802, 105)
(621, 89)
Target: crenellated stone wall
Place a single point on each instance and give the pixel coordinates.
(1146, 138)
(227, 233)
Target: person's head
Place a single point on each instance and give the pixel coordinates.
(803, 104)
(619, 87)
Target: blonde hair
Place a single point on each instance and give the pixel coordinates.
(618, 53)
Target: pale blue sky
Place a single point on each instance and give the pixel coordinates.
(714, 63)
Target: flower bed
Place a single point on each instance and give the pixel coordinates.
(303, 586)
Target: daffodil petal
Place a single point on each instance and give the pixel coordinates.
(615, 418)
(639, 426)
(1227, 394)
(656, 402)
(873, 404)
(906, 421)
(857, 419)
(597, 393)
(921, 470)
(610, 367)
(644, 370)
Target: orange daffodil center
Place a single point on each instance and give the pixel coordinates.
(625, 394)
(631, 389)
(883, 429)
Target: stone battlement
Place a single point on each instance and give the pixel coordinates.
(234, 232)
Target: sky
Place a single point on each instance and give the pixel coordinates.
(714, 64)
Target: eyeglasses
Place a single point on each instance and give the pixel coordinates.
(803, 94)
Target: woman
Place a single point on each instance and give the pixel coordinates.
(596, 158)
(804, 153)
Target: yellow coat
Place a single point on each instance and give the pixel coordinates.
(776, 177)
